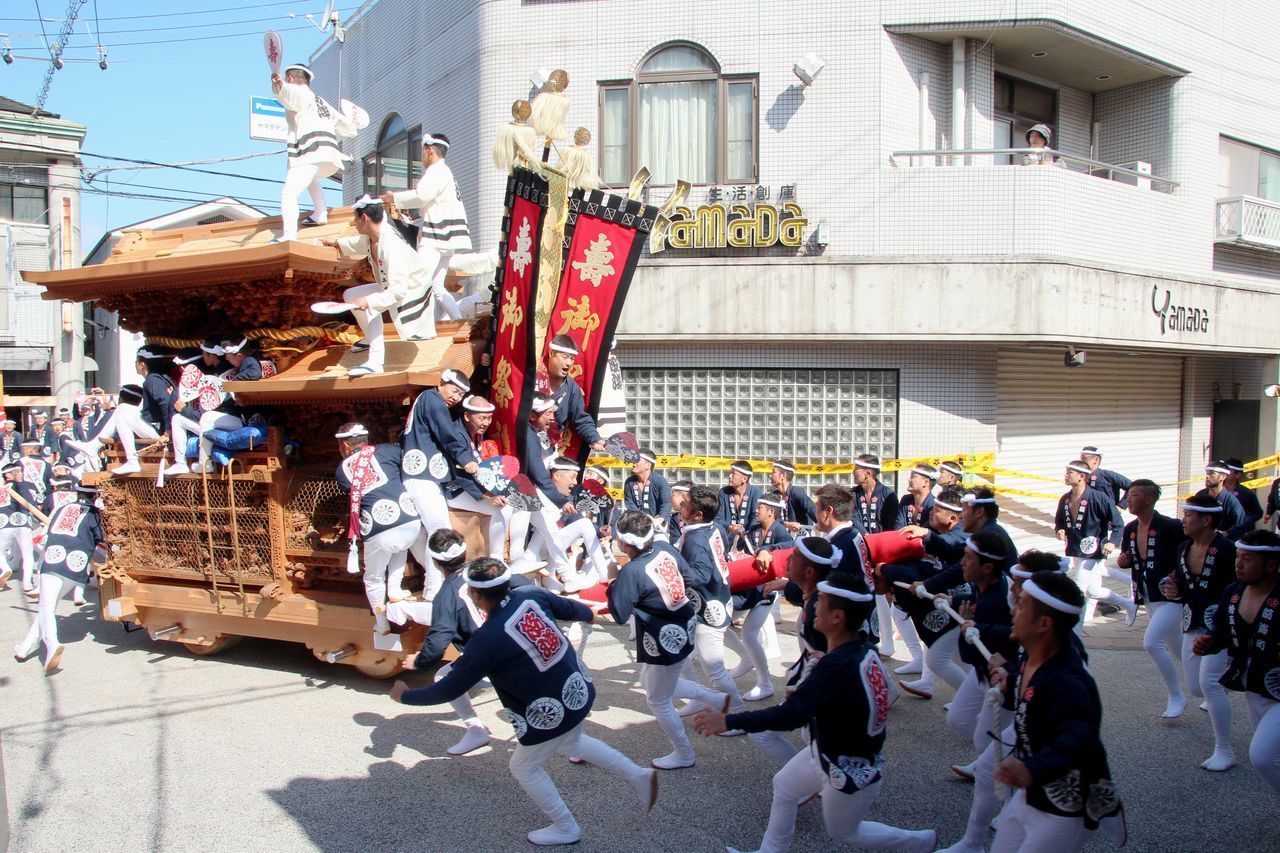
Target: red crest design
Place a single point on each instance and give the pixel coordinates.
(68, 521)
(537, 635)
(665, 574)
(877, 684)
(717, 551)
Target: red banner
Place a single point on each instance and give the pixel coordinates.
(605, 235)
(513, 368)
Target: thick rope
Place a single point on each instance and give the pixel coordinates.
(339, 334)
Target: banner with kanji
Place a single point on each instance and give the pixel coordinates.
(513, 364)
(604, 236)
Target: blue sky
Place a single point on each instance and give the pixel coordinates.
(182, 95)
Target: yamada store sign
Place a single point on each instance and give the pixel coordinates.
(736, 226)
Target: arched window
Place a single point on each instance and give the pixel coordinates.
(397, 162)
(682, 118)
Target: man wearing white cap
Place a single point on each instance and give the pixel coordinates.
(442, 218)
(381, 513)
(646, 490)
(402, 285)
(314, 153)
(1085, 523)
(15, 525)
(798, 511)
(1059, 771)
(433, 448)
(1251, 606)
(464, 491)
(1205, 568)
(10, 441)
(950, 476)
(737, 505)
(1233, 523)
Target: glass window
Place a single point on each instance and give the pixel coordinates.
(396, 164)
(24, 196)
(1249, 170)
(682, 119)
(702, 412)
(1269, 176)
(1021, 105)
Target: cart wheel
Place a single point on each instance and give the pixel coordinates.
(384, 668)
(220, 643)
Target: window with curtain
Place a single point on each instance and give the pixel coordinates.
(397, 162)
(681, 118)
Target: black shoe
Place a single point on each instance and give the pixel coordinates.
(1106, 608)
(310, 222)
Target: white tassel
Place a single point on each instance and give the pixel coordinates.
(353, 558)
(160, 473)
(550, 107)
(577, 164)
(516, 140)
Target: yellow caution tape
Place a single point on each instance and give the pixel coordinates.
(971, 462)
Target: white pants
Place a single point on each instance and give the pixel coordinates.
(127, 425)
(1089, 575)
(1264, 749)
(940, 659)
(45, 626)
(883, 613)
(843, 814)
(967, 704)
(1023, 828)
(985, 804)
(708, 649)
(557, 540)
(462, 705)
(19, 538)
(1163, 642)
(749, 642)
(499, 518)
(385, 555)
(1203, 680)
(180, 428)
(907, 631)
(526, 767)
(437, 261)
(371, 326)
(296, 179)
(433, 512)
(659, 683)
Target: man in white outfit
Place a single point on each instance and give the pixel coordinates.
(314, 131)
(442, 219)
(402, 285)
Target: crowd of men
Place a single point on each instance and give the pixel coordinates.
(1002, 628)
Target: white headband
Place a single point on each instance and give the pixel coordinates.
(353, 431)
(146, 354)
(1017, 571)
(212, 350)
(599, 472)
(648, 457)
(785, 466)
(304, 69)
(834, 560)
(453, 377)
(1239, 468)
(637, 542)
(1216, 468)
(841, 592)
(866, 463)
(435, 140)
(566, 465)
(993, 557)
(365, 201)
(1208, 510)
(932, 475)
(1038, 593)
(971, 499)
(948, 506)
(952, 467)
(235, 349)
(1094, 451)
(491, 583)
(478, 404)
(554, 347)
(741, 469)
(776, 504)
(1078, 468)
(675, 488)
(1266, 549)
(448, 555)
(540, 406)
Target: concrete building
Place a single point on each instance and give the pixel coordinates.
(42, 344)
(929, 285)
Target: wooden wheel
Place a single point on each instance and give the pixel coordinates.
(384, 668)
(220, 643)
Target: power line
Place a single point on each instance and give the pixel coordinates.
(190, 38)
(207, 25)
(165, 14)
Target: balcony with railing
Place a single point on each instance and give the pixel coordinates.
(1248, 222)
(983, 201)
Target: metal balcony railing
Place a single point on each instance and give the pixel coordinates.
(1248, 221)
(1136, 174)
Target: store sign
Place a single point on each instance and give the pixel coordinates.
(1178, 318)
(266, 119)
(737, 226)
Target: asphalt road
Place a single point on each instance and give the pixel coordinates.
(137, 744)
